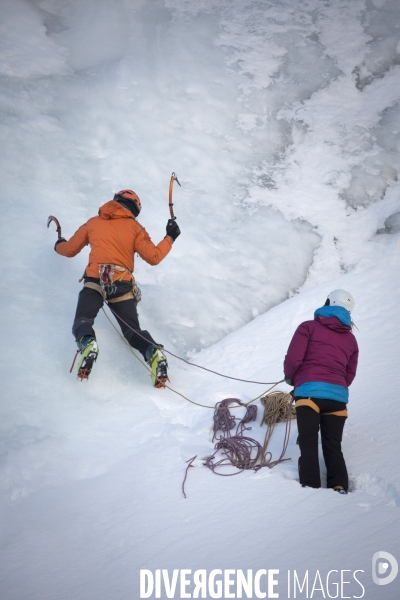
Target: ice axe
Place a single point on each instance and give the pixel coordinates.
(56, 221)
(171, 185)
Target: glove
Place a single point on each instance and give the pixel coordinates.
(59, 241)
(288, 381)
(173, 229)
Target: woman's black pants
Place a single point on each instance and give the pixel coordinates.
(309, 422)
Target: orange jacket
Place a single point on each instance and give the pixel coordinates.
(114, 237)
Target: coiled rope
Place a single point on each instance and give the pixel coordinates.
(278, 407)
(243, 452)
(238, 450)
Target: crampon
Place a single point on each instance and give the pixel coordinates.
(88, 357)
(159, 367)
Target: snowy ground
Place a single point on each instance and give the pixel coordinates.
(282, 121)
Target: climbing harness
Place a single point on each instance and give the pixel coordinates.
(56, 221)
(108, 281)
(311, 404)
(171, 185)
(107, 284)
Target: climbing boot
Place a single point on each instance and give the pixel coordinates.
(159, 366)
(340, 489)
(89, 352)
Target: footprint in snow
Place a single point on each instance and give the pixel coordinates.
(375, 486)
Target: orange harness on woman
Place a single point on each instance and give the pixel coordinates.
(314, 406)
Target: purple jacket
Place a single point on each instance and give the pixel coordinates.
(323, 350)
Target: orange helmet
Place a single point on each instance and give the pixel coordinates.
(129, 200)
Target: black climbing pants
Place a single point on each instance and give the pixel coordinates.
(90, 302)
(309, 422)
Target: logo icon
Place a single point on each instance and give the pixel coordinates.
(381, 561)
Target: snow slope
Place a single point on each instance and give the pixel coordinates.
(281, 120)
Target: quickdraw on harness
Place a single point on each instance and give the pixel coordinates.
(108, 283)
(106, 273)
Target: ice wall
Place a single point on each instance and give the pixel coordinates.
(279, 114)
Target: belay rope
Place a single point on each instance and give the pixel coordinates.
(194, 364)
(274, 384)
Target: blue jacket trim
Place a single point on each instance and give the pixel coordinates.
(324, 391)
(334, 311)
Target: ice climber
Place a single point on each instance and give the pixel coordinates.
(321, 363)
(114, 236)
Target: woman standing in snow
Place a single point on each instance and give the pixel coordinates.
(321, 363)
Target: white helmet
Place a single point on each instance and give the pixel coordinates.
(341, 298)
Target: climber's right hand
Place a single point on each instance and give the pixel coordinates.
(173, 229)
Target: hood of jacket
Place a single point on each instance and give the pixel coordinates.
(334, 317)
(114, 210)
